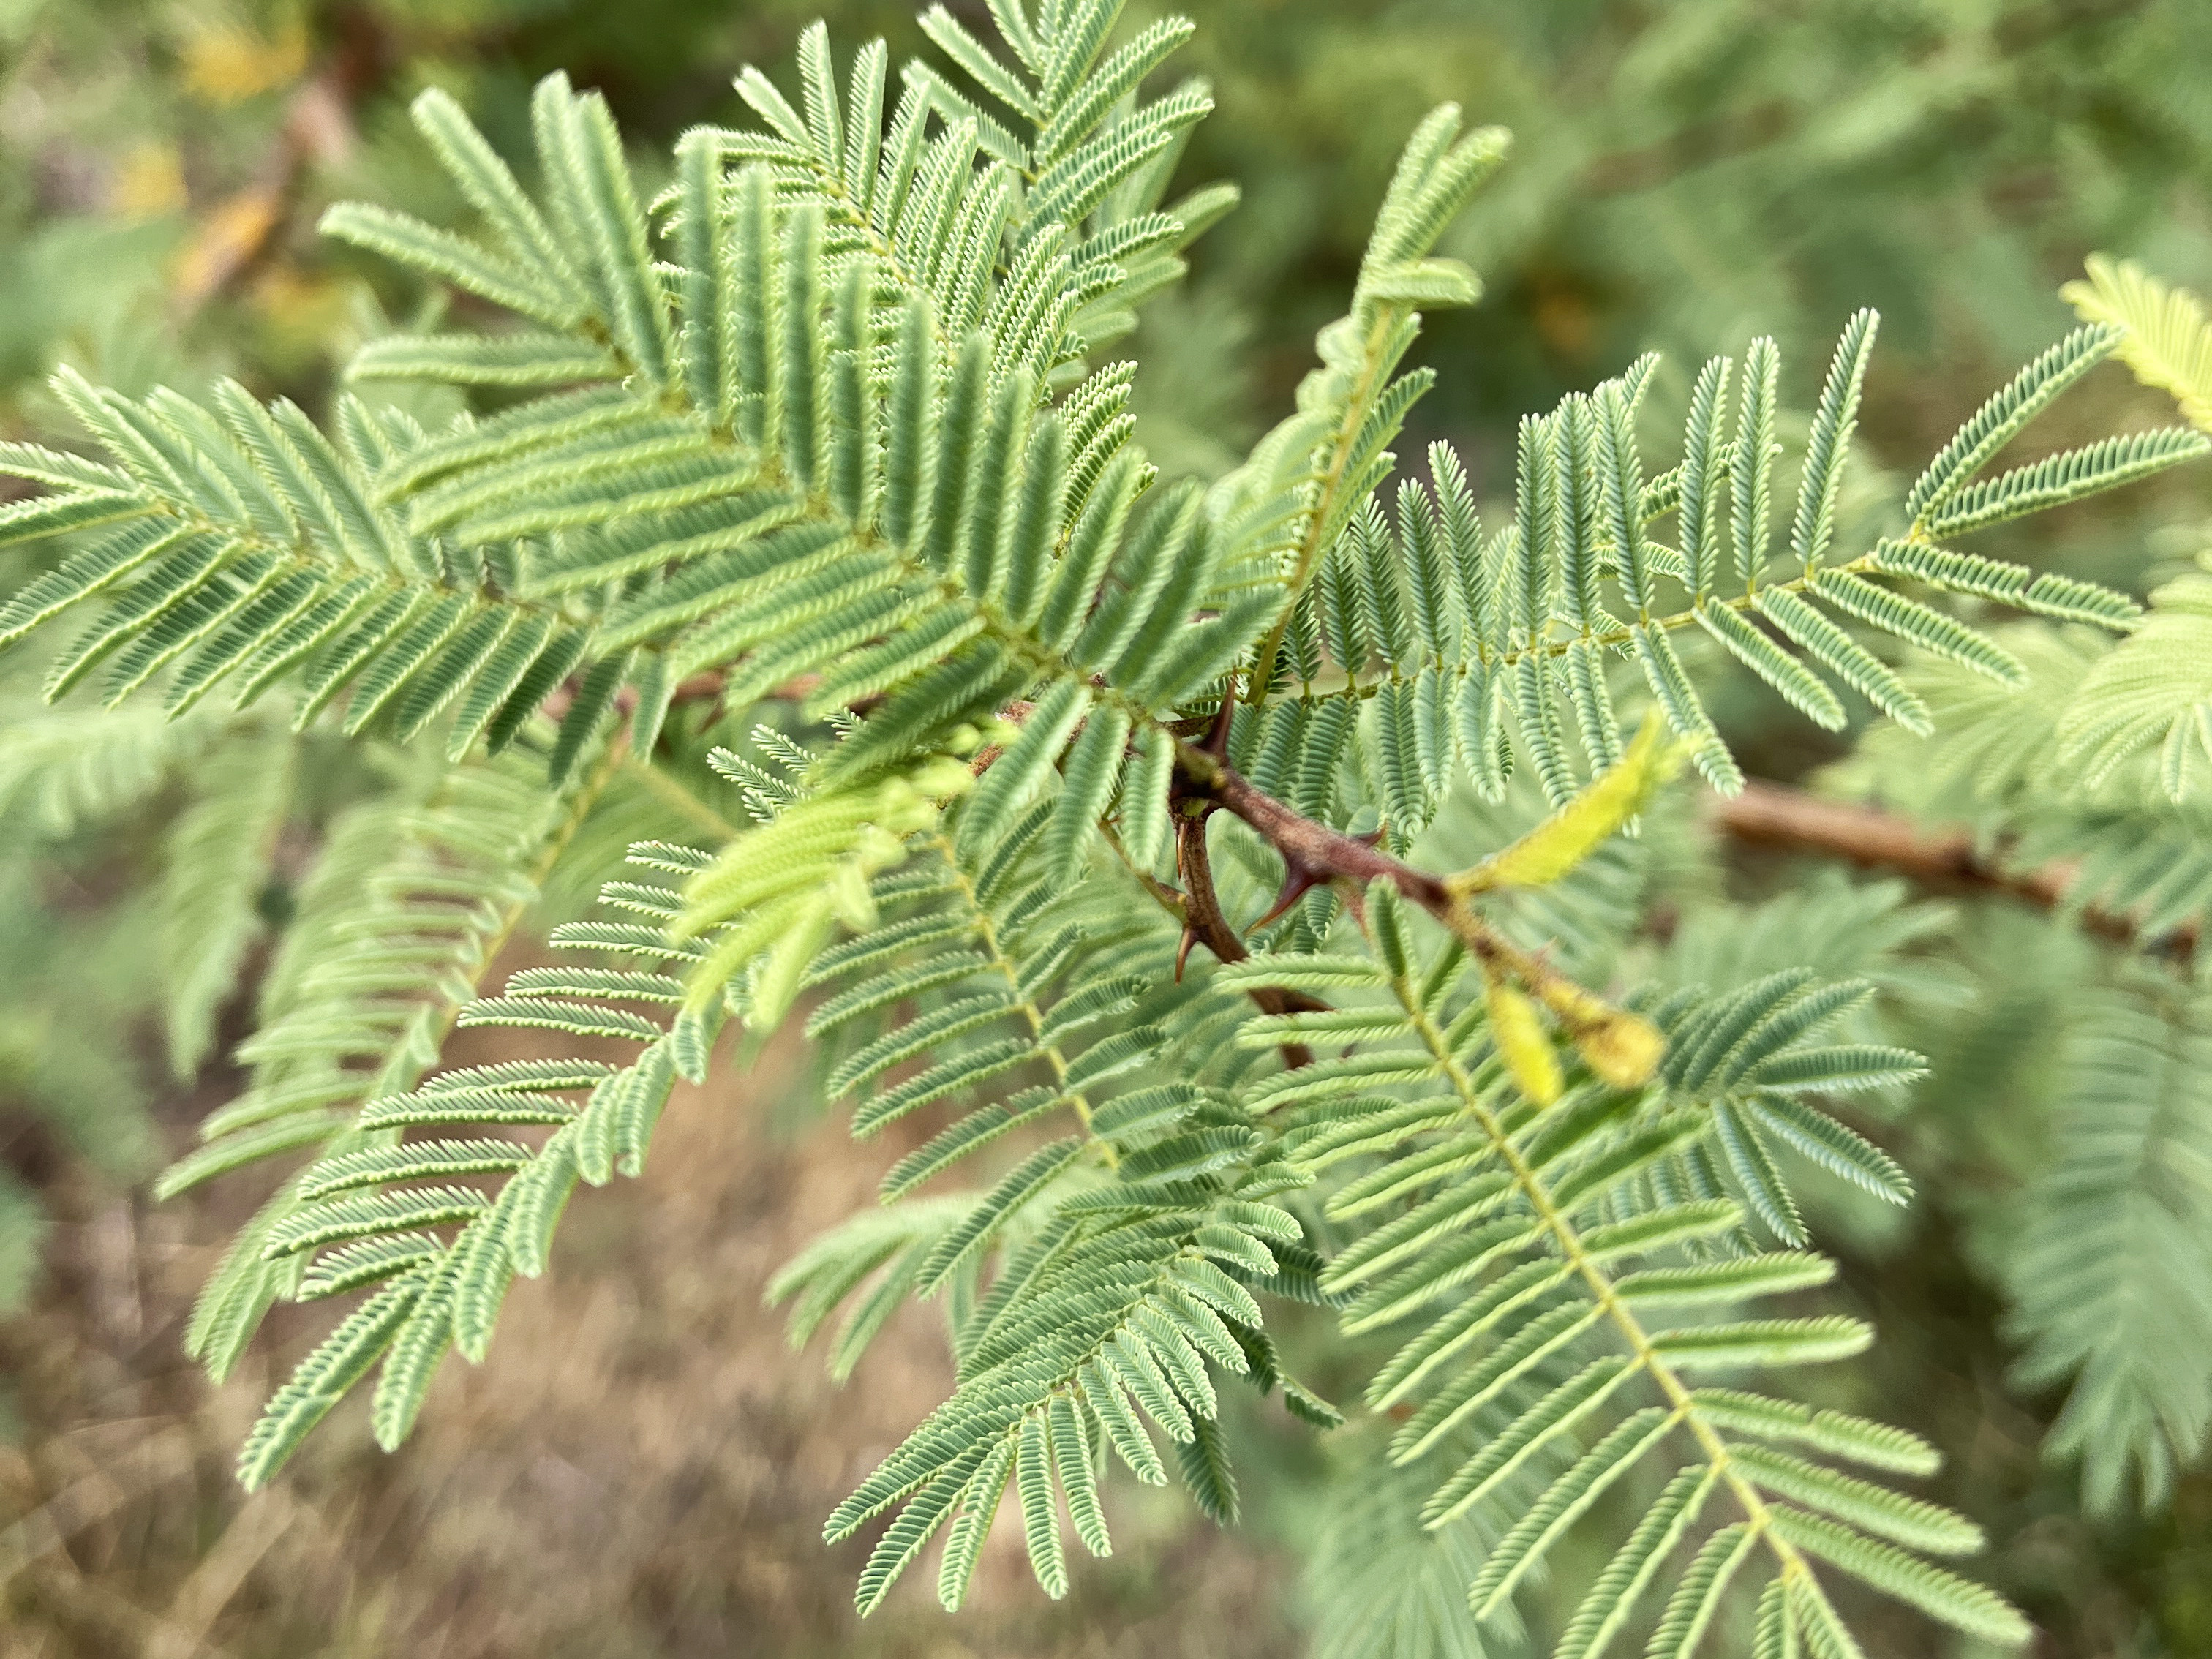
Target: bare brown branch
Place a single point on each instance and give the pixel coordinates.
(1788, 820)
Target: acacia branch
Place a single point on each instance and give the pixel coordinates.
(1312, 851)
(1782, 819)
(1619, 1045)
(1313, 854)
(1203, 921)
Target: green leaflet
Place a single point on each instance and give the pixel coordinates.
(379, 956)
(359, 1206)
(2132, 1115)
(2166, 340)
(1580, 566)
(1510, 1236)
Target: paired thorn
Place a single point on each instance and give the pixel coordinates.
(1299, 878)
(1193, 869)
(1203, 921)
(1216, 736)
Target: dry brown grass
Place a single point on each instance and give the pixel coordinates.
(641, 1467)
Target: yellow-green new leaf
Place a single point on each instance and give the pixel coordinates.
(1570, 835)
(2169, 340)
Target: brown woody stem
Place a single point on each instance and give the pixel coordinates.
(1314, 854)
(1618, 1045)
(1306, 846)
(1789, 820)
(1205, 923)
